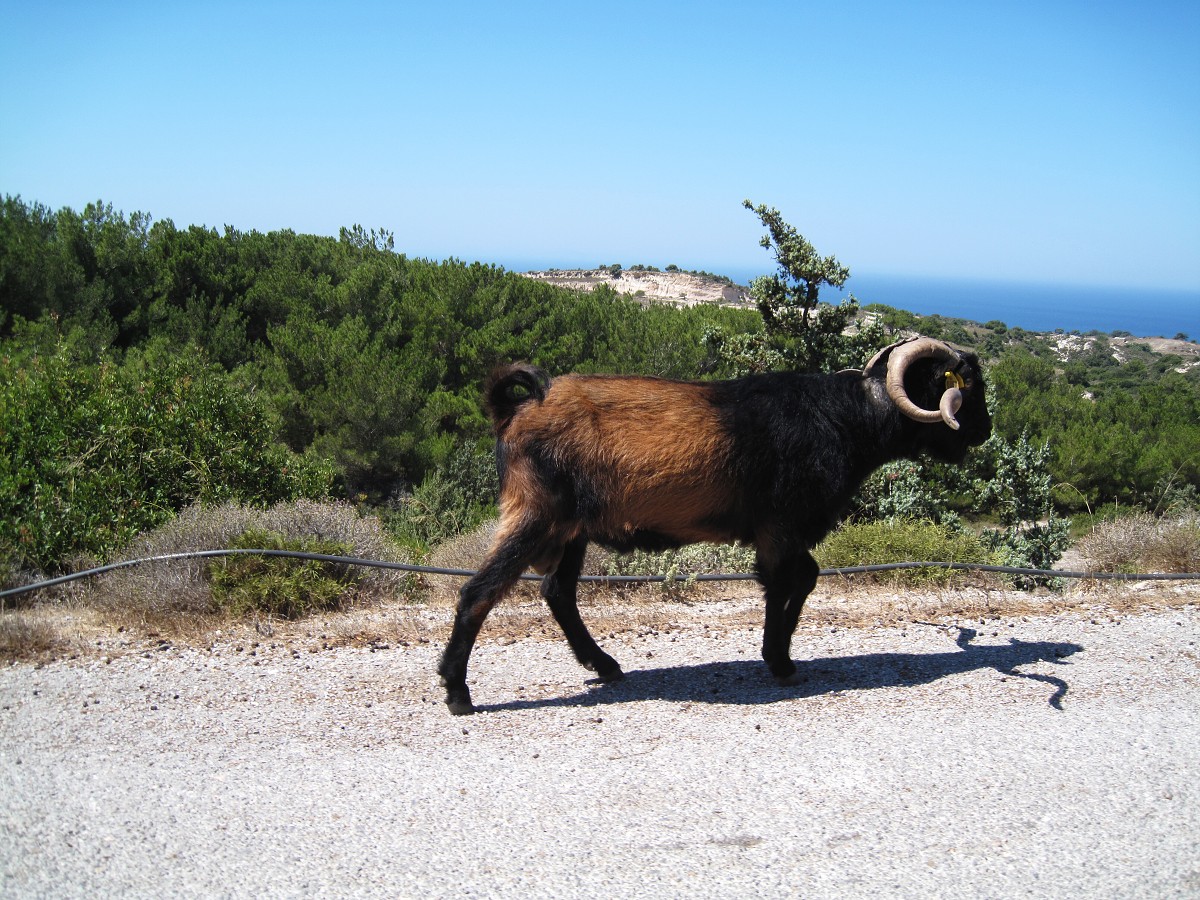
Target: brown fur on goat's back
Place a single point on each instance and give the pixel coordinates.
(655, 451)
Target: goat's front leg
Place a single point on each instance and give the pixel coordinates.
(787, 584)
(559, 591)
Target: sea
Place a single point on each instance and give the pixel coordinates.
(1140, 311)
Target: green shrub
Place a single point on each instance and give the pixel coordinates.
(870, 543)
(454, 499)
(92, 453)
(281, 586)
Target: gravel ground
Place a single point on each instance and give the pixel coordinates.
(1041, 756)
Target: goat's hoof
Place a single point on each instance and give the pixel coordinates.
(789, 680)
(460, 707)
(607, 669)
(458, 701)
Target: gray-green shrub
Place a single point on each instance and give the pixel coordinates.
(1020, 490)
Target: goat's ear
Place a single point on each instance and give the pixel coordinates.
(968, 372)
(877, 367)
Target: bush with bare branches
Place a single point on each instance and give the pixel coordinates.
(1144, 543)
(185, 585)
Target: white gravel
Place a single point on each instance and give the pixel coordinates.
(1042, 757)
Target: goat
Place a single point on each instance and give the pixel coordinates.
(634, 462)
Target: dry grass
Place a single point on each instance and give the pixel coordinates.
(1143, 543)
(174, 599)
(61, 630)
(129, 614)
(28, 633)
(182, 587)
(49, 631)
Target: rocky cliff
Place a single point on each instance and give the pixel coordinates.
(679, 288)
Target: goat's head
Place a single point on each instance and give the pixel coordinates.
(938, 385)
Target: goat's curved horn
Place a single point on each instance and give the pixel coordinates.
(951, 400)
(899, 361)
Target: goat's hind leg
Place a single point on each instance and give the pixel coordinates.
(499, 572)
(559, 591)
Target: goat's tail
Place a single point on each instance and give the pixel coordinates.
(510, 387)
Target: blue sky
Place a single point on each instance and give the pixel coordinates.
(1049, 141)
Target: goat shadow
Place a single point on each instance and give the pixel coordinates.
(745, 682)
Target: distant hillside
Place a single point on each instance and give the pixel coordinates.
(1094, 350)
(1179, 356)
(680, 288)
(651, 286)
